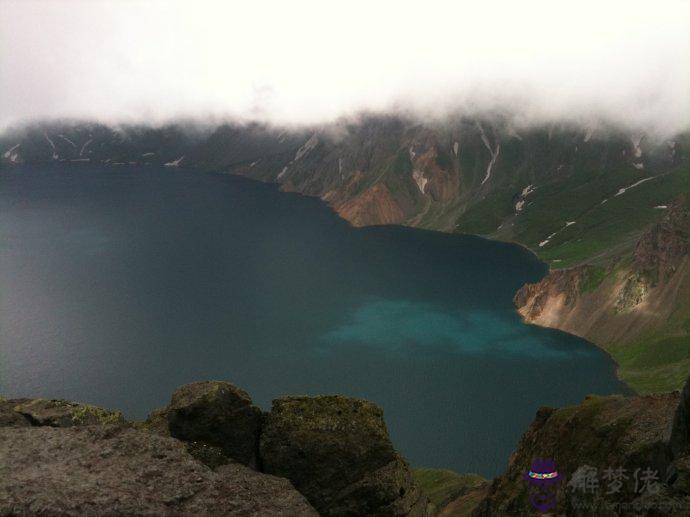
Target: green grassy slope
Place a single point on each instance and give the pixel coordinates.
(607, 228)
(444, 486)
(605, 224)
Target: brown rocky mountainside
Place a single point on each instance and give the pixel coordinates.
(641, 297)
(647, 283)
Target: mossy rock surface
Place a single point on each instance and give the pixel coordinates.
(443, 486)
(62, 413)
(337, 452)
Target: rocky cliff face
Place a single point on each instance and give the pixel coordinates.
(642, 295)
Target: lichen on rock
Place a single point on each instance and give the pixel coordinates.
(63, 413)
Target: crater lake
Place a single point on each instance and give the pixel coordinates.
(118, 284)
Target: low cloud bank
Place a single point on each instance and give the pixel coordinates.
(306, 62)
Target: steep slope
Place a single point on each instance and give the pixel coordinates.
(477, 176)
(636, 305)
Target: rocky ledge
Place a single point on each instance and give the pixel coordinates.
(209, 452)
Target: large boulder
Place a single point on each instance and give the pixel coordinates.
(337, 452)
(118, 470)
(212, 417)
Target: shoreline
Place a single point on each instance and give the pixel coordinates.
(549, 269)
(278, 186)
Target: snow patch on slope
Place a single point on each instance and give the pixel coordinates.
(68, 141)
(623, 190)
(308, 146)
(548, 239)
(636, 140)
(12, 155)
(52, 145)
(492, 152)
(9, 151)
(83, 147)
(521, 202)
(419, 179)
(175, 163)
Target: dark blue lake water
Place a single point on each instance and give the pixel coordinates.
(119, 284)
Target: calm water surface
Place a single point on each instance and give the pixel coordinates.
(119, 284)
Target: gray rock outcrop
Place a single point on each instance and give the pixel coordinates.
(118, 470)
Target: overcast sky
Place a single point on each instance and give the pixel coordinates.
(301, 61)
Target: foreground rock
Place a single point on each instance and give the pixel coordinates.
(614, 455)
(337, 452)
(116, 470)
(332, 453)
(214, 417)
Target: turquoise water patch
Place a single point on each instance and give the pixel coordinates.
(394, 325)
